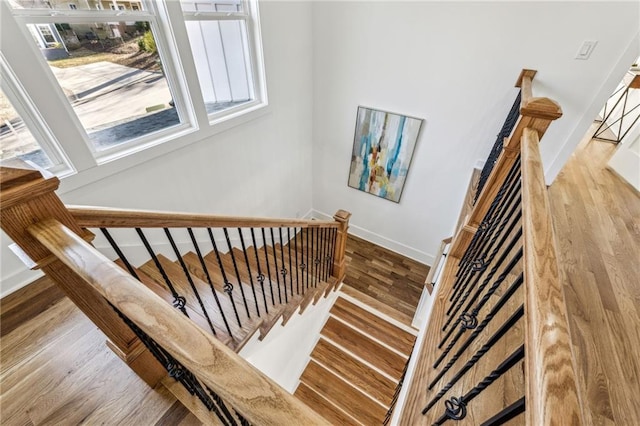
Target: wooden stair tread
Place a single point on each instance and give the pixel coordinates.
(324, 407)
(377, 305)
(342, 394)
(241, 333)
(364, 348)
(165, 294)
(355, 372)
(373, 326)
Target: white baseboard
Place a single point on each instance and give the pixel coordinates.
(18, 280)
(388, 243)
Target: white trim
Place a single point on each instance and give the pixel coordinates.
(388, 243)
(18, 280)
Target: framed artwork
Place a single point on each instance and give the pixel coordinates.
(382, 149)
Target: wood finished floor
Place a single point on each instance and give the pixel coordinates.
(597, 221)
(56, 369)
(384, 275)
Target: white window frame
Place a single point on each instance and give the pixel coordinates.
(167, 53)
(250, 16)
(89, 167)
(32, 119)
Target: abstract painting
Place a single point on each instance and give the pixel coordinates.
(382, 149)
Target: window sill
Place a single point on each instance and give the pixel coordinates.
(125, 159)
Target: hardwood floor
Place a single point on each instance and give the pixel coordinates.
(597, 221)
(384, 275)
(56, 369)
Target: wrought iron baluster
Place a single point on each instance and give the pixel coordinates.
(209, 280)
(491, 226)
(246, 262)
(504, 366)
(295, 242)
(283, 269)
(228, 287)
(508, 250)
(260, 276)
(513, 319)
(333, 248)
(178, 301)
(308, 249)
(290, 269)
(275, 261)
(506, 414)
(316, 257)
(476, 332)
(506, 130)
(192, 284)
(323, 254)
(119, 253)
(235, 268)
(266, 258)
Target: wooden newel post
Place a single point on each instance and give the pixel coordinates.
(339, 259)
(28, 198)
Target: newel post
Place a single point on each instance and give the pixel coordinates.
(339, 258)
(28, 198)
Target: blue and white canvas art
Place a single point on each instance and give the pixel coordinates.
(382, 149)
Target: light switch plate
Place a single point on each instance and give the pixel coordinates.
(586, 49)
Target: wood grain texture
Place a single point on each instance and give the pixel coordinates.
(364, 348)
(596, 218)
(552, 396)
(26, 303)
(324, 407)
(394, 280)
(430, 280)
(373, 325)
(354, 372)
(259, 399)
(343, 395)
(103, 217)
(46, 379)
(377, 305)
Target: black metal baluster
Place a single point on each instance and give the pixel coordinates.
(504, 366)
(119, 253)
(333, 248)
(295, 242)
(176, 370)
(209, 280)
(228, 287)
(515, 240)
(327, 254)
(312, 265)
(510, 215)
(492, 224)
(476, 331)
(178, 301)
(507, 127)
(275, 261)
(246, 262)
(196, 293)
(261, 276)
(266, 258)
(513, 319)
(316, 260)
(283, 270)
(506, 414)
(323, 252)
(308, 264)
(235, 268)
(290, 269)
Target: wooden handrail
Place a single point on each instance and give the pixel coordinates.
(535, 113)
(260, 400)
(104, 217)
(552, 395)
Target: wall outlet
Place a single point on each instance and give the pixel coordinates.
(586, 49)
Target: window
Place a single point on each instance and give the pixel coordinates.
(34, 142)
(119, 84)
(224, 50)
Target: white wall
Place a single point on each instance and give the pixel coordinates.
(453, 64)
(260, 168)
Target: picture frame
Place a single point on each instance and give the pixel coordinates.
(383, 146)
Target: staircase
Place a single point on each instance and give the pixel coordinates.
(357, 364)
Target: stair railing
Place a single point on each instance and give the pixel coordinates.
(497, 345)
(151, 336)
